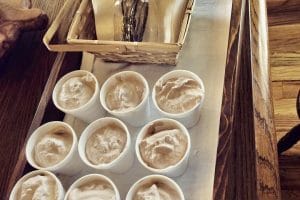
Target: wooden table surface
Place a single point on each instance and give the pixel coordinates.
(247, 166)
(23, 76)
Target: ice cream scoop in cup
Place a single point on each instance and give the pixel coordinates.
(53, 147)
(93, 186)
(163, 147)
(106, 145)
(77, 94)
(38, 184)
(155, 187)
(126, 95)
(179, 95)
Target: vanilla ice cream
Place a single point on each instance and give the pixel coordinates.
(52, 147)
(163, 145)
(125, 92)
(76, 91)
(106, 144)
(95, 189)
(41, 186)
(178, 95)
(156, 191)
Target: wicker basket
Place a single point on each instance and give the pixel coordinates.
(74, 30)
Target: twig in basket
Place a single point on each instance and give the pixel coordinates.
(135, 13)
(141, 19)
(129, 9)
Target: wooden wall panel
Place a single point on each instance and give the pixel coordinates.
(284, 31)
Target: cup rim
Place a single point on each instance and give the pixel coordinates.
(34, 137)
(105, 85)
(99, 177)
(63, 79)
(178, 115)
(59, 186)
(171, 167)
(86, 135)
(134, 187)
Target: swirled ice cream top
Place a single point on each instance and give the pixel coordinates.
(178, 95)
(156, 190)
(93, 190)
(52, 147)
(76, 91)
(164, 145)
(40, 186)
(125, 93)
(106, 144)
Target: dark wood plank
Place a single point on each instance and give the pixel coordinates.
(247, 163)
(26, 68)
(290, 194)
(222, 175)
(289, 172)
(283, 12)
(282, 6)
(283, 18)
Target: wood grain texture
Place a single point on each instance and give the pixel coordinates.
(285, 89)
(290, 172)
(268, 184)
(285, 64)
(285, 38)
(290, 194)
(283, 18)
(247, 163)
(286, 73)
(28, 66)
(284, 29)
(283, 12)
(222, 187)
(285, 109)
(289, 175)
(283, 6)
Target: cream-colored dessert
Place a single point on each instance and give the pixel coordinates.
(126, 93)
(163, 145)
(178, 95)
(94, 190)
(52, 147)
(76, 92)
(106, 144)
(38, 187)
(156, 191)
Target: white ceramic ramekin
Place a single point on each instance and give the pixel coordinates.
(173, 170)
(60, 189)
(154, 178)
(71, 164)
(119, 165)
(93, 177)
(88, 112)
(190, 117)
(136, 116)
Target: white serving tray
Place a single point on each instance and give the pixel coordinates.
(204, 53)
